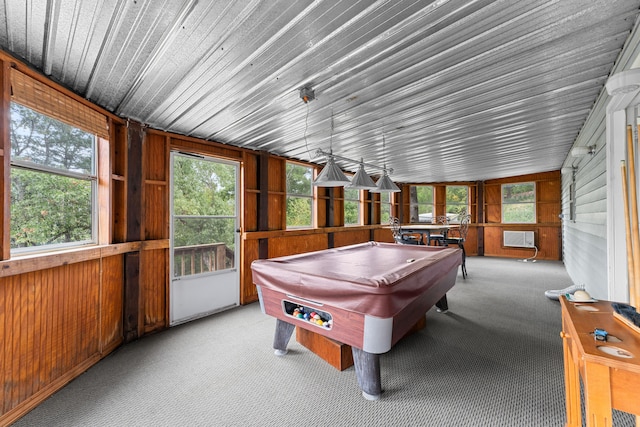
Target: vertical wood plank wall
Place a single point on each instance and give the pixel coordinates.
(61, 313)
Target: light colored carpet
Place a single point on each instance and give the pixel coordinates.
(495, 359)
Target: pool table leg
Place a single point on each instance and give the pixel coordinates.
(368, 373)
(282, 336)
(442, 306)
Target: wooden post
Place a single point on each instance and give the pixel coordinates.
(630, 264)
(635, 236)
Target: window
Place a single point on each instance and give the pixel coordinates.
(53, 182)
(421, 203)
(351, 206)
(299, 196)
(519, 203)
(385, 207)
(457, 201)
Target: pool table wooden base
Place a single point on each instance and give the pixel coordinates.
(367, 365)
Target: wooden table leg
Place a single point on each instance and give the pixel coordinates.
(572, 387)
(597, 395)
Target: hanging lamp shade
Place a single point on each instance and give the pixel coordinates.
(331, 176)
(361, 180)
(385, 185)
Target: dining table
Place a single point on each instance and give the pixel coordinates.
(425, 230)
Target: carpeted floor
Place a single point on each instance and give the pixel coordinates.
(495, 359)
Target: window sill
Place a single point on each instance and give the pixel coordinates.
(27, 263)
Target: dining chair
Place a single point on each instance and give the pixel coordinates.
(399, 236)
(437, 238)
(457, 236)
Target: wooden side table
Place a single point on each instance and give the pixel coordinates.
(610, 370)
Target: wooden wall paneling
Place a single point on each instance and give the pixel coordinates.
(549, 191)
(251, 162)
(277, 210)
(440, 199)
(322, 202)
(132, 310)
(156, 218)
(250, 219)
(50, 332)
(493, 203)
(383, 235)
(156, 189)
(111, 303)
(248, 291)
(154, 279)
(5, 158)
(291, 245)
(350, 237)
(264, 184)
(492, 241)
(156, 155)
(251, 193)
(549, 241)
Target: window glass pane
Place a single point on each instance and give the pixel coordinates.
(193, 251)
(518, 213)
(299, 212)
(519, 193)
(44, 141)
(299, 179)
(457, 201)
(421, 203)
(351, 214)
(385, 208)
(351, 206)
(299, 195)
(52, 182)
(518, 203)
(203, 187)
(49, 209)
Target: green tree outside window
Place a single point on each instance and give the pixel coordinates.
(53, 182)
(299, 196)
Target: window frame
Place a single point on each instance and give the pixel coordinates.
(310, 197)
(384, 203)
(357, 201)
(455, 219)
(532, 203)
(92, 177)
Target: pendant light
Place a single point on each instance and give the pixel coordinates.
(331, 175)
(361, 180)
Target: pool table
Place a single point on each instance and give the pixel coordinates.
(367, 295)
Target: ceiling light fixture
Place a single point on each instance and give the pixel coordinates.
(331, 175)
(362, 181)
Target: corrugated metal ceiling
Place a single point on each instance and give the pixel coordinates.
(461, 90)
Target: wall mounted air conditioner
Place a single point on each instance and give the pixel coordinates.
(519, 239)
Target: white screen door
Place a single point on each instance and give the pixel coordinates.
(204, 237)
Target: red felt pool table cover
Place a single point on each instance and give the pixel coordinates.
(377, 279)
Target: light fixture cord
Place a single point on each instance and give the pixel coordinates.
(331, 135)
(306, 126)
